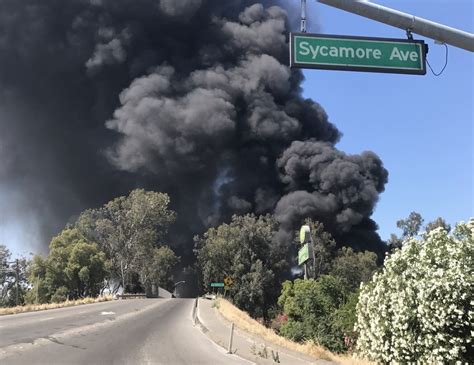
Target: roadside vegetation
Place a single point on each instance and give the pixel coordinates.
(119, 245)
(417, 306)
(244, 321)
(320, 309)
(420, 307)
(46, 306)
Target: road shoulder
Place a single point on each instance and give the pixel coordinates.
(247, 345)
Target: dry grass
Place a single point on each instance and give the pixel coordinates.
(246, 323)
(40, 307)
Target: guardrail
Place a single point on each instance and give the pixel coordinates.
(131, 296)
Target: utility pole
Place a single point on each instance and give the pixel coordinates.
(313, 256)
(439, 32)
(176, 285)
(37, 289)
(17, 277)
(123, 277)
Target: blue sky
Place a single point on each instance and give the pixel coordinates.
(420, 126)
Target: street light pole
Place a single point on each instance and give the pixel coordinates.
(176, 285)
(37, 289)
(408, 22)
(17, 275)
(123, 277)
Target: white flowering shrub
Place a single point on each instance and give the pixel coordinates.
(420, 307)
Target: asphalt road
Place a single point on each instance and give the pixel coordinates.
(142, 331)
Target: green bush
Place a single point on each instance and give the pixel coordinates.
(344, 317)
(343, 320)
(60, 295)
(310, 306)
(295, 330)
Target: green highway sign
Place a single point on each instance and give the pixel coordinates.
(304, 234)
(303, 254)
(349, 53)
(217, 285)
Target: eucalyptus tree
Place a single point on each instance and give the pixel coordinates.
(128, 229)
(438, 223)
(411, 225)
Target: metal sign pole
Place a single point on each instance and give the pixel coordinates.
(303, 16)
(313, 257)
(303, 253)
(17, 276)
(398, 19)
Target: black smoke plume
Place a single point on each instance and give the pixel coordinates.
(191, 97)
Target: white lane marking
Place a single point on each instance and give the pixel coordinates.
(46, 319)
(107, 313)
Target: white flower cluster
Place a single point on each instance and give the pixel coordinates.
(420, 307)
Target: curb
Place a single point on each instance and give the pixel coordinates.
(279, 350)
(196, 320)
(209, 334)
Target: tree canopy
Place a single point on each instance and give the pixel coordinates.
(74, 268)
(128, 229)
(411, 225)
(246, 251)
(5, 274)
(161, 269)
(437, 223)
(354, 268)
(13, 280)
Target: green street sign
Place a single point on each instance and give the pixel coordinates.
(217, 285)
(304, 234)
(303, 254)
(349, 53)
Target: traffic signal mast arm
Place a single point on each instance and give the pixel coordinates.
(427, 28)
